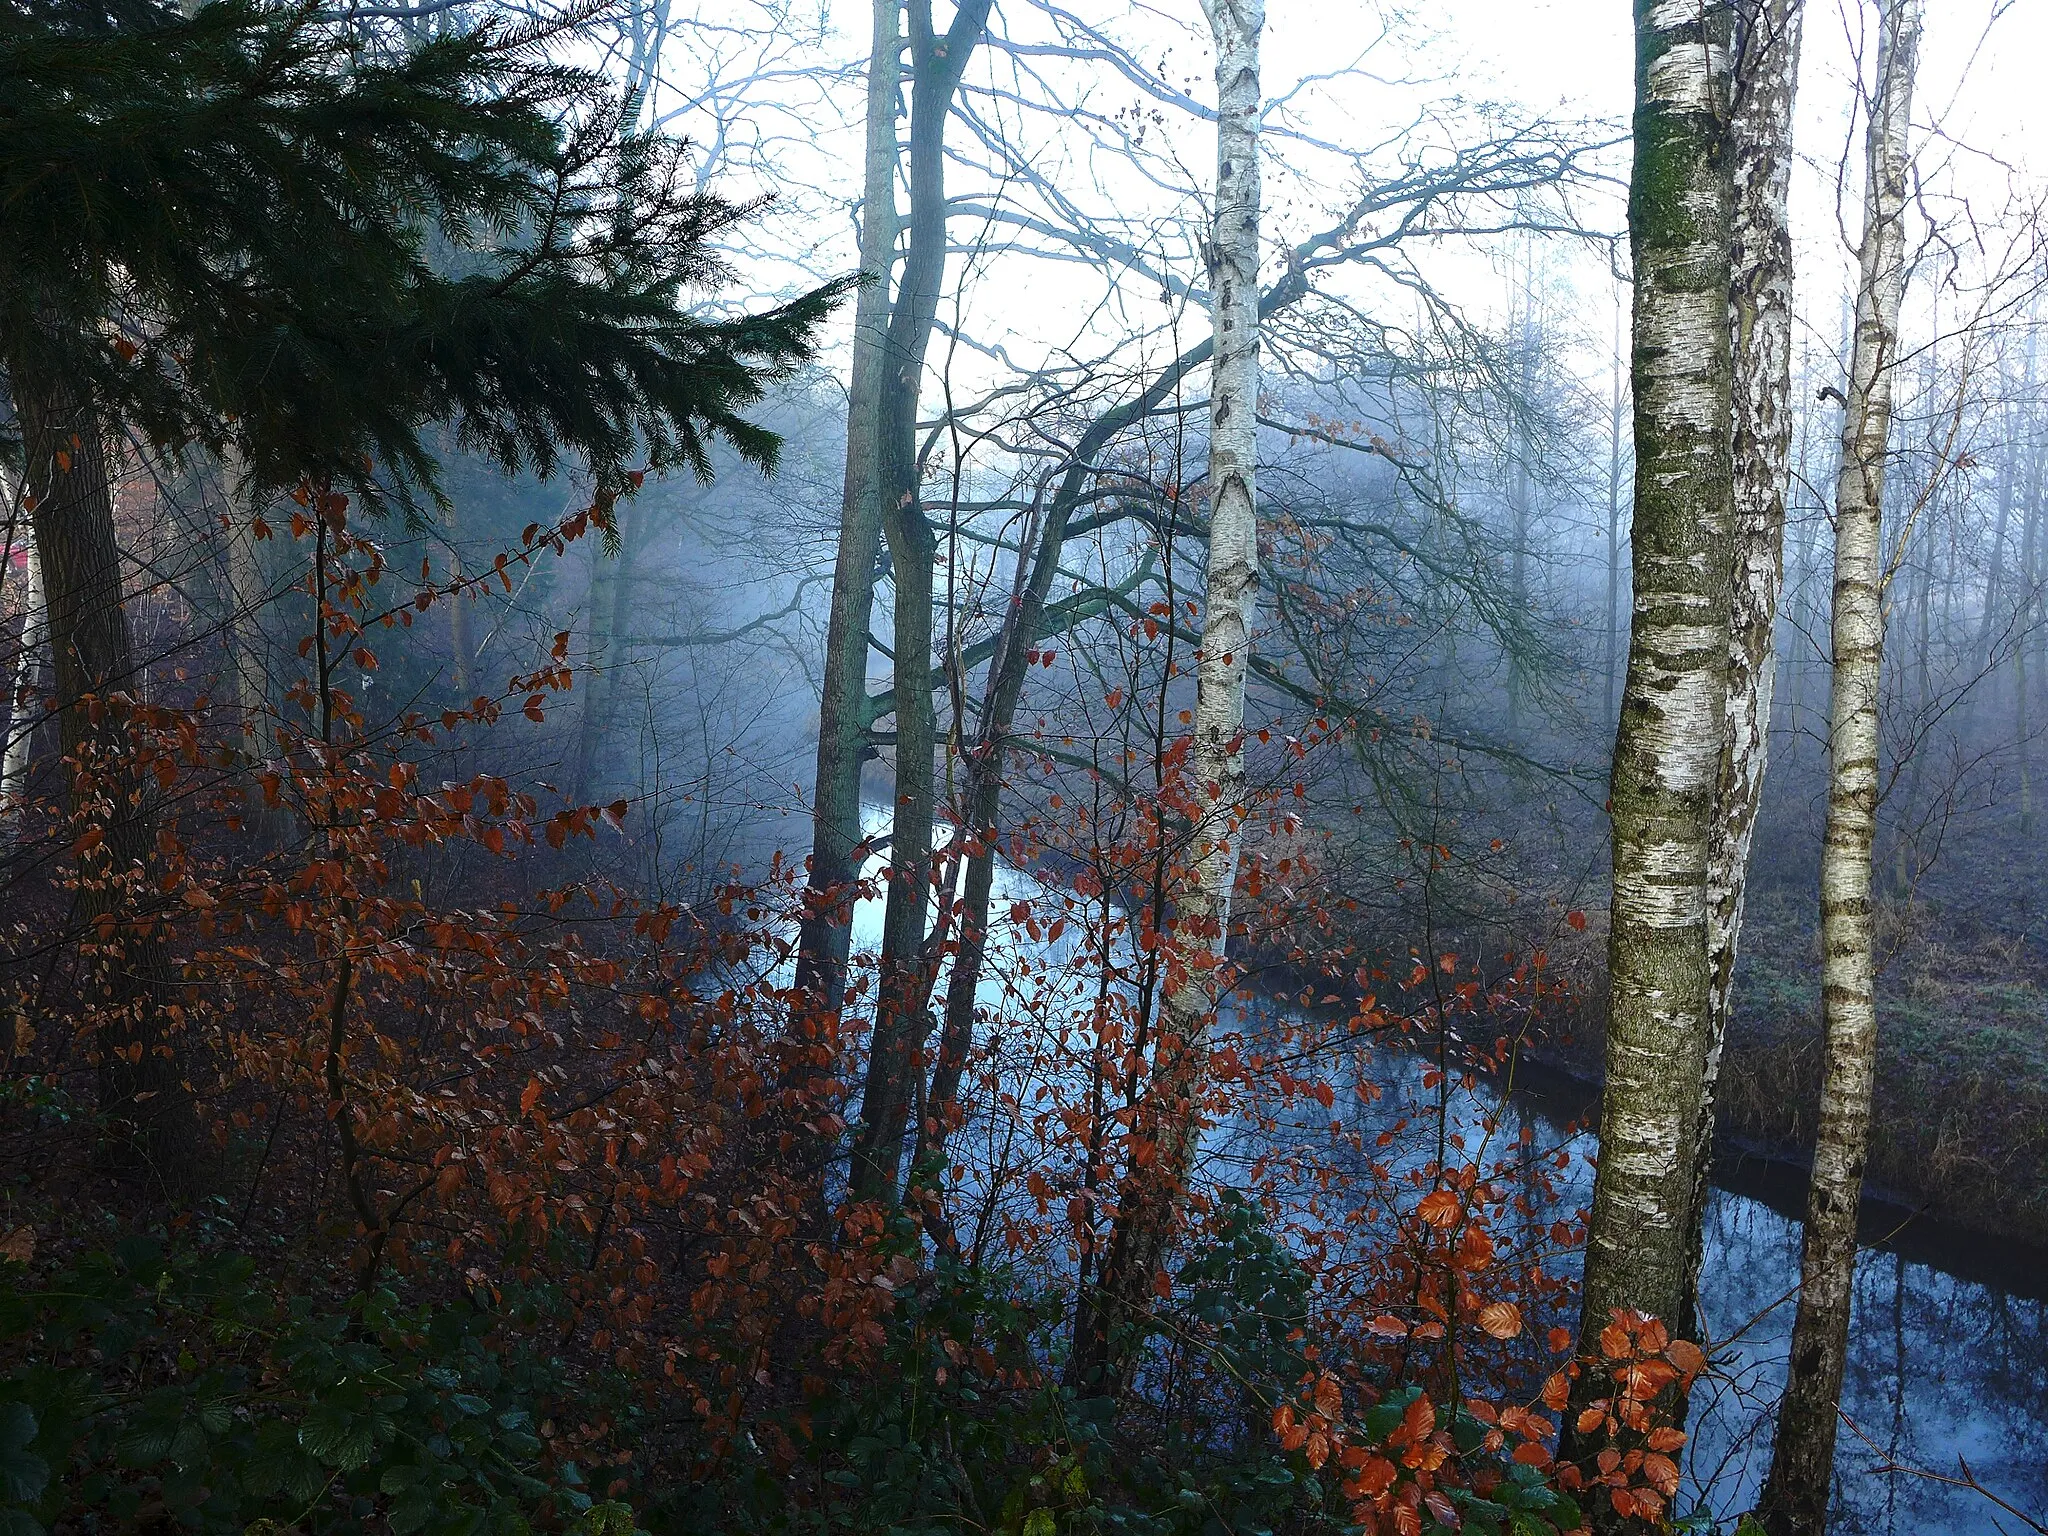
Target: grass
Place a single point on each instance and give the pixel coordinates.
(1960, 1118)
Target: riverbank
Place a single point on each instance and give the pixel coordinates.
(1959, 1128)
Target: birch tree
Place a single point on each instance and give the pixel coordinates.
(1150, 1203)
(1796, 1493)
(23, 710)
(1668, 742)
(1766, 69)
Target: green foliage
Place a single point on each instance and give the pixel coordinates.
(174, 1388)
(1248, 1297)
(185, 1389)
(964, 1422)
(241, 229)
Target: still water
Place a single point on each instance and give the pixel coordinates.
(1948, 1354)
(1948, 1358)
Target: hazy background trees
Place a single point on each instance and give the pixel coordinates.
(947, 656)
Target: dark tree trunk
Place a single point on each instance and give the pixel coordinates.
(140, 1061)
(903, 1020)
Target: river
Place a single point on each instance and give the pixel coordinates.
(1948, 1359)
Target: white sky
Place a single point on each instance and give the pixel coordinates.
(1980, 111)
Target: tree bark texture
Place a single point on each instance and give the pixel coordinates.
(1667, 749)
(843, 745)
(611, 606)
(139, 1062)
(1149, 1206)
(23, 707)
(1796, 1492)
(903, 1016)
(1610, 641)
(1766, 70)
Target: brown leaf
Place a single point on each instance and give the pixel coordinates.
(1439, 1208)
(1501, 1319)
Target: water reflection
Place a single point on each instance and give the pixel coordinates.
(1941, 1364)
(1939, 1368)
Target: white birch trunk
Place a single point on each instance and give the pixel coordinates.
(1667, 749)
(1150, 1204)
(1796, 1494)
(1760, 321)
(21, 697)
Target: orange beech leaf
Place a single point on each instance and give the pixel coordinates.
(1666, 1439)
(1439, 1208)
(1501, 1319)
(1375, 1477)
(1475, 1250)
(1662, 1473)
(1590, 1419)
(1416, 1423)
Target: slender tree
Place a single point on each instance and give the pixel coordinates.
(22, 708)
(1667, 745)
(1149, 1205)
(1767, 34)
(903, 1021)
(1802, 1459)
(843, 741)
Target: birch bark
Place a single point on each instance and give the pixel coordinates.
(1610, 643)
(1766, 71)
(1667, 747)
(1149, 1206)
(21, 701)
(1796, 1492)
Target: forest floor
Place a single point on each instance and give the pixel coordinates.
(1960, 1122)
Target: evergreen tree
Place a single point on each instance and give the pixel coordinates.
(238, 232)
